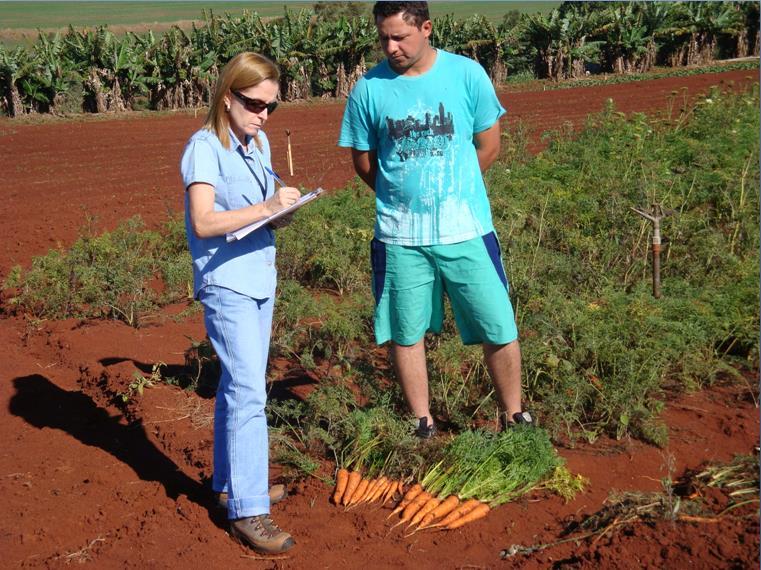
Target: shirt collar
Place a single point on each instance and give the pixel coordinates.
(236, 144)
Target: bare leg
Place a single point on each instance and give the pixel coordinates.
(504, 364)
(410, 366)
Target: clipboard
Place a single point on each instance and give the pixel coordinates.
(245, 230)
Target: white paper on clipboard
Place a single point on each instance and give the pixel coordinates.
(245, 230)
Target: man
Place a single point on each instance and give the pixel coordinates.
(422, 127)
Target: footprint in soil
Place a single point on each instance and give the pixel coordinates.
(43, 404)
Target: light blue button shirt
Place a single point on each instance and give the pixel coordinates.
(239, 179)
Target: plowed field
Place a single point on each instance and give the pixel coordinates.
(83, 482)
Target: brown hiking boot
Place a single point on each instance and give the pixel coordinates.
(277, 493)
(261, 534)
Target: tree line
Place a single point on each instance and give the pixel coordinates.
(322, 53)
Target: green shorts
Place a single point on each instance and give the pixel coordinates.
(409, 283)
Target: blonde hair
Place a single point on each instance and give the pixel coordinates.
(245, 70)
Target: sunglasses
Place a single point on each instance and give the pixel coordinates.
(255, 105)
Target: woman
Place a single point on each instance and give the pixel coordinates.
(228, 186)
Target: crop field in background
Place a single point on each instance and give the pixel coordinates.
(55, 15)
(322, 51)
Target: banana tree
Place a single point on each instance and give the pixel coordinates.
(561, 41)
(168, 69)
(477, 38)
(627, 40)
(14, 65)
(293, 50)
(88, 50)
(178, 73)
(344, 45)
(581, 37)
(748, 37)
(696, 28)
(126, 68)
(543, 33)
(54, 73)
(655, 16)
(486, 45)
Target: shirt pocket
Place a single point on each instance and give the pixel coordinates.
(241, 192)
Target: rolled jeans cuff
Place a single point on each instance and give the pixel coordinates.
(248, 507)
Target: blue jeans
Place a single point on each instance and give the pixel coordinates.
(239, 329)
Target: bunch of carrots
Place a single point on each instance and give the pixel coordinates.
(353, 490)
(417, 507)
(477, 471)
(426, 510)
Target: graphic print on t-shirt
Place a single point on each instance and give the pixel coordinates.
(414, 138)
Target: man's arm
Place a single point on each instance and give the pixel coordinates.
(487, 146)
(366, 165)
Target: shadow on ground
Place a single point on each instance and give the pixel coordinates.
(44, 405)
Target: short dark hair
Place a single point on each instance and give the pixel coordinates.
(414, 13)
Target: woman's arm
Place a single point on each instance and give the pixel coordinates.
(207, 223)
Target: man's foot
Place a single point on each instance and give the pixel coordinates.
(277, 493)
(261, 534)
(518, 419)
(424, 429)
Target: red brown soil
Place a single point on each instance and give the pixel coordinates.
(85, 481)
(57, 173)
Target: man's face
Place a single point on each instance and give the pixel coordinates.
(404, 44)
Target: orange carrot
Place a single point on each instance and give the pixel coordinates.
(413, 492)
(447, 506)
(361, 496)
(479, 512)
(390, 491)
(370, 488)
(342, 477)
(351, 486)
(414, 506)
(429, 505)
(379, 488)
(361, 488)
(460, 511)
(387, 492)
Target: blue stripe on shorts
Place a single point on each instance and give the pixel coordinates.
(378, 262)
(492, 247)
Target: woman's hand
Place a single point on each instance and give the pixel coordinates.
(206, 222)
(283, 198)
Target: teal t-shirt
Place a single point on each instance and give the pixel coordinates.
(429, 188)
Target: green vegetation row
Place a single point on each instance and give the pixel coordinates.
(322, 53)
(126, 274)
(660, 73)
(599, 352)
